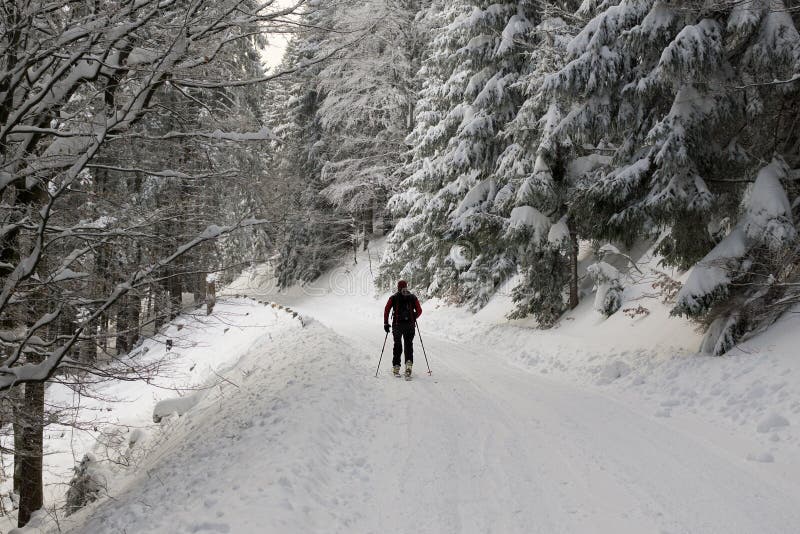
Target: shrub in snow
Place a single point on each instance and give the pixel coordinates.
(88, 482)
(608, 283)
(638, 311)
(8, 502)
(722, 334)
(667, 286)
(136, 435)
(711, 278)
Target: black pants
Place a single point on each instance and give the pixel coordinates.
(403, 334)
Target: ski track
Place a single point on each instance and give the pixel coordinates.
(308, 441)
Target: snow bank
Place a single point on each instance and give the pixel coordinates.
(178, 406)
(37, 524)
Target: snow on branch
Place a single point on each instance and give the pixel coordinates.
(264, 134)
(793, 79)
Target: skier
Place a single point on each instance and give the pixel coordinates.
(405, 310)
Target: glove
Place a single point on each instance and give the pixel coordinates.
(386, 328)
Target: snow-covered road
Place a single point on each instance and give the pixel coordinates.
(304, 439)
(482, 447)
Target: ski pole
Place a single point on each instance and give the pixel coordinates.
(423, 349)
(379, 359)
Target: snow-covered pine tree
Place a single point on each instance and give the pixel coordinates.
(448, 241)
(368, 92)
(669, 87)
(310, 232)
(537, 180)
(409, 251)
(692, 98)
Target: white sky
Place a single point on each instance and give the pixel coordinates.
(273, 53)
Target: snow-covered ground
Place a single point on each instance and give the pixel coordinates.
(600, 425)
(117, 412)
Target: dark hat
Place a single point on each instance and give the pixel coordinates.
(401, 284)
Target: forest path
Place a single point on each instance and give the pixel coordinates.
(480, 446)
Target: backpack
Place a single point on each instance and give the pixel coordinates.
(403, 307)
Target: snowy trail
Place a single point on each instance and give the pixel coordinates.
(304, 439)
(482, 447)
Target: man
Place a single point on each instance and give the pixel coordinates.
(405, 310)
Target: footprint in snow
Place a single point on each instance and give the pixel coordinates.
(762, 457)
(771, 422)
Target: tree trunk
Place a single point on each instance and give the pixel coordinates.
(369, 227)
(87, 348)
(31, 490)
(17, 396)
(354, 225)
(156, 307)
(105, 329)
(211, 296)
(123, 325)
(175, 295)
(386, 215)
(102, 272)
(199, 290)
(134, 311)
(128, 323)
(573, 268)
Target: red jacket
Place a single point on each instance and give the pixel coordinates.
(390, 305)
